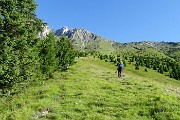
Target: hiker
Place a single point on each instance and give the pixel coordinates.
(120, 68)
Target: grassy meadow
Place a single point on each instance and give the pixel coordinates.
(91, 90)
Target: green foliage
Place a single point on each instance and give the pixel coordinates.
(137, 67)
(154, 67)
(65, 53)
(19, 26)
(81, 54)
(175, 73)
(48, 55)
(91, 90)
(112, 58)
(160, 70)
(119, 59)
(163, 65)
(24, 55)
(101, 57)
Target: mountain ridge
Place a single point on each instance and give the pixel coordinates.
(87, 41)
(70, 32)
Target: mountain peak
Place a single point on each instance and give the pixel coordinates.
(65, 28)
(85, 40)
(62, 31)
(78, 33)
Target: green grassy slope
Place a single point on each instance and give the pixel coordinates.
(91, 90)
(100, 44)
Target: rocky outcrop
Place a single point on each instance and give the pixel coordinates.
(76, 33)
(81, 38)
(61, 31)
(45, 32)
(85, 40)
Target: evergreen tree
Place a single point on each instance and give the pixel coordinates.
(118, 59)
(141, 61)
(147, 63)
(171, 74)
(111, 58)
(101, 57)
(165, 69)
(160, 70)
(19, 26)
(175, 72)
(65, 53)
(115, 61)
(105, 56)
(154, 67)
(48, 55)
(137, 66)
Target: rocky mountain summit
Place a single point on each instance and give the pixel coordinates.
(84, 39)
(76, 33)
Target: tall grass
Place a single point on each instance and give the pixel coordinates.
(91, 90)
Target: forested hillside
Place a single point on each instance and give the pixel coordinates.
(74, 75)
(85, 40)
(24, 55)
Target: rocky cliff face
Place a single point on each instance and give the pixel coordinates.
(84, 39)
(46, 31)
(76, 33)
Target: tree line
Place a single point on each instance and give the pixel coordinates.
(24, 55)
(162, 65)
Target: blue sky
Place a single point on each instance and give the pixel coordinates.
(118, 20)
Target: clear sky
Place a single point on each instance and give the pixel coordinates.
(118, 20)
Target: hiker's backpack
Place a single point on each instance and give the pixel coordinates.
(120, 66)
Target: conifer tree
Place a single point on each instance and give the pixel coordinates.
(65, 53)
(48, 55)
(101, 57)
(19, 26)
(119, 59)
(165, 69)
(154, 67)
(160, 70)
